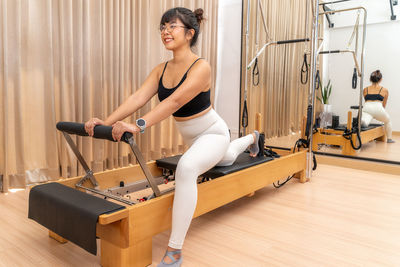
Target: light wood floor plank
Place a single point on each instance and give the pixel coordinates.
(342, 217)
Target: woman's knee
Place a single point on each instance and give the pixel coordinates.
(228, 159)
(185, 169)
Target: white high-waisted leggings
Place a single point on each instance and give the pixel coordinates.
(375, 110)
(209, 141)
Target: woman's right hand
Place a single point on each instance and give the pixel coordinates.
(90, 124)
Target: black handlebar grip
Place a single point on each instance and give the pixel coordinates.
(293, 41)
(100, 131)
(330, 52)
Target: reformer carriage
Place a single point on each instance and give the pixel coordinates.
(346, 137)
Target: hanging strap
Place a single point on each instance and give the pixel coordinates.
(354, 79)
(317, 80)
(256, 73)
(304, 71)
(245, 117)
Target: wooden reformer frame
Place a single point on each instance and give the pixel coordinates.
(126, 235)
(335, 137)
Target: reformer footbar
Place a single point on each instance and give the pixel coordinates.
(104, 132)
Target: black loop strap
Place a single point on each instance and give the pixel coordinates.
(317, 80)
(304, 71)
(347, 134)
(256, 73)
(354, 80)
(245, 116)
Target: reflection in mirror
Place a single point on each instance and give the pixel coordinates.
(349, 78)
(276, 69)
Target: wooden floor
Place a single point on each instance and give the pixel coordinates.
(342, 217)
(373, 149)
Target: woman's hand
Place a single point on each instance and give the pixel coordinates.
(90, 124)
(120, 127)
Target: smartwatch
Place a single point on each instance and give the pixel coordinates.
(141, 124)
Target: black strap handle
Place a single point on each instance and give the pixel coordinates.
(256, 73)
(100, 131)
(317, 80)
(304, 71)
(245, 117)
(354, 79)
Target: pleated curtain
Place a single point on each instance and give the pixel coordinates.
(71, 60)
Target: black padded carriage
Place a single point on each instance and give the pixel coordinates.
(243, 161)
(342, 127)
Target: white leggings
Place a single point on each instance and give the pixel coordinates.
(375, 110)
(208, 137)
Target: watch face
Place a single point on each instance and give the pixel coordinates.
(141, 122)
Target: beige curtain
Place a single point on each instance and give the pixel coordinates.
(70, 60)
(279, 97)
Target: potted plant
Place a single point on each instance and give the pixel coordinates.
(325, 94)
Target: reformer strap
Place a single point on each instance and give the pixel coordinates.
(317, 80)
(256, 73)
(245, 119)
(304, 70)
(354, 79)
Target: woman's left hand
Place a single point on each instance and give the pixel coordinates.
(120, 127)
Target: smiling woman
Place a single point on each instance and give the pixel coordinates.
(183, 86)
(72, 60)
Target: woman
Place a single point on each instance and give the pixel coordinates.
(183, 87)
(376, 97)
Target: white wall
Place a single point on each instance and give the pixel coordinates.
(382, 51)
(227, 91)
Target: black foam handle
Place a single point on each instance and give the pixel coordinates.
(100, 131)
(330, 52)
(293, 41)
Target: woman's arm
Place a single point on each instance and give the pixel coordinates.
(385, 98)
(131, 104)
(198, 81)
(137, 100)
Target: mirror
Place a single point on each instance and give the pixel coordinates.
(345, 64)
(338, 133)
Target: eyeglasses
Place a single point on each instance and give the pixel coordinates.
(170, 28)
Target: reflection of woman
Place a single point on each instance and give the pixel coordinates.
(375, 102)
(183, 87)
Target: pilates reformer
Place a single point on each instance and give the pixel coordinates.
(126, 229)
(358, 70)
(346, 137)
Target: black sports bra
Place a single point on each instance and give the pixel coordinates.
(196, 105)
(372, 97)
